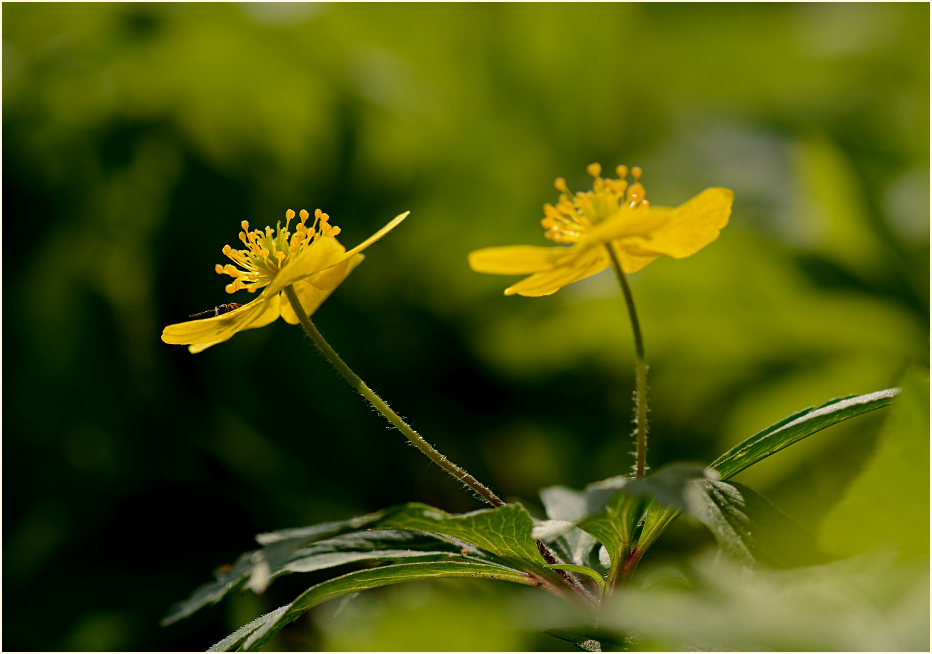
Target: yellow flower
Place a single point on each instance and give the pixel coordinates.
(614, 214)
(311, 260)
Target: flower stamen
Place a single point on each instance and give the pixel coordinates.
(573, 214)
(267, 251)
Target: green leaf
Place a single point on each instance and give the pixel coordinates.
(501, 535)
(614, 516)
(299, 553)
(797, 427)
(792, 429)
(886, 507)
(617, 505)
(255, 634)
(504, 531)
(749, 527)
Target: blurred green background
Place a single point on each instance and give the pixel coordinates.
(136, 137)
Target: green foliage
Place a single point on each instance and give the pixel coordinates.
(137, 136)
(415, 542)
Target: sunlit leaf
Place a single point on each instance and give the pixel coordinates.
(797, 427)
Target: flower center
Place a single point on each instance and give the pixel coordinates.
(573, 214)
(268, 251)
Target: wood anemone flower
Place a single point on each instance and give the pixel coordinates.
(310, 259)
(614, 215)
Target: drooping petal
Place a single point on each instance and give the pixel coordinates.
(325, 252)
(515, 259)
(201, 334)
(588, 261)
(314, 290)
(693, 225)
(394, 222)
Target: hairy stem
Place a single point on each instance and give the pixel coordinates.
(382, 407)
(640, 465)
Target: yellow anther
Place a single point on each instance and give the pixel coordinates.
(621, 171)
(245, 225)
(304, 215)
(635, 193)
(289, 214)
(636, 173)
(560, 184)
(594, 169)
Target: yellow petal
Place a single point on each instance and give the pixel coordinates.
(325, 252)
(379, 234)
(631, 263)
(588, 261)
(692, 226)
(201, 334)
(515, 259)
(628, 222)
(313, 291)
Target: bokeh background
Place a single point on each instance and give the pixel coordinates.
(136, 137)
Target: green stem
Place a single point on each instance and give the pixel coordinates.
(640, 465)
(382, 407)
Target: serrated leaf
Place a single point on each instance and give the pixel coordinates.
(260, 631)
(504, 531)
(797, 427)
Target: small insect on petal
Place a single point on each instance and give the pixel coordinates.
(218, 310)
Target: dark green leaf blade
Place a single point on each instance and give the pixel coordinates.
(749, 528)
(797, 427)
(299, 554)
(263, 629)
